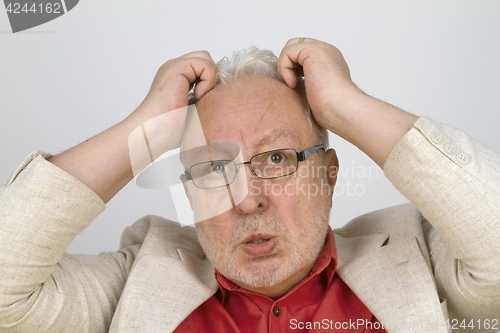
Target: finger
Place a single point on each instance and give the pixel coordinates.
(204, 71)
(206, 84)
(288, 62)
(197, 54)
(195, 67)
(191, 85)
(297, 40)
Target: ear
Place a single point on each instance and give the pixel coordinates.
(332, 166)
(186, 189)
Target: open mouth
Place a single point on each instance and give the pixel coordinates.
(258, 241)
(259, 245)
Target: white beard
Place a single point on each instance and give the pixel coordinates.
(224, 258)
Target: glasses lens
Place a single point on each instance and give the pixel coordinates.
(275, 163)
(213, 174)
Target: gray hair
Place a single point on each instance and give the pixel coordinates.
(254, 63)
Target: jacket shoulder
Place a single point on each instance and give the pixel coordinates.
(161, 237)
(402, 219)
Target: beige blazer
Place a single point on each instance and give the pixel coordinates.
(413, 267)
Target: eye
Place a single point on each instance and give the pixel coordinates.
(219, 168)
(276, 158)
(216, 168)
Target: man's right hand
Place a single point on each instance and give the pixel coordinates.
(103, 162)
(174, 79)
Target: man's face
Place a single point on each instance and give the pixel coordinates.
(270, 238)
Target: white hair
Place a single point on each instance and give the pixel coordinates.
(254, 63)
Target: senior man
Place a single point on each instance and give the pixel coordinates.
(428, 266)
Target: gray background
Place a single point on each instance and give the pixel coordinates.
(69, 79)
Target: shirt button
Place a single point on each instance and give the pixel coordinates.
(450, 149)
(276, 311)
(437, 137)
(463, 158)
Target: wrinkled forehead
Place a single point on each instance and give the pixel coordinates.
(260, 113)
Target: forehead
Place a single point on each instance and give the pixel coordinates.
(255, 114)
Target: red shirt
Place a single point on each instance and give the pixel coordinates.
(321, 302)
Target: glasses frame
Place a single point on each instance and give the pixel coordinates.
(301, 156)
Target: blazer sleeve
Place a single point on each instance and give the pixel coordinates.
(455, 183)
(42, 289)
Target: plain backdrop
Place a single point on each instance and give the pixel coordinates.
(71, 78)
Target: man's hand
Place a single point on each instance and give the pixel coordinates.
(103, 162)
(337, 103)
(174, 79)
(326, 75)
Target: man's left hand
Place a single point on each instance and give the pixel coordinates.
(337, 103)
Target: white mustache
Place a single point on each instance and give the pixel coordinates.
(257, 223)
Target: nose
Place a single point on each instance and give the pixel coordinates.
(256, 200)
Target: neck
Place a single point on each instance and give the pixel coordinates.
(277, 291)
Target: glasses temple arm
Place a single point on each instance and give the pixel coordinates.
(303, 155)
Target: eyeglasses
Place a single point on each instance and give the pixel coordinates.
(268, 165)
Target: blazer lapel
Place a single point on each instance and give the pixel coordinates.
(161, 292)
(392, 279)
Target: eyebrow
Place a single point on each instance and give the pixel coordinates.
(277, 135)
(211, 151)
